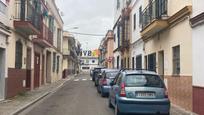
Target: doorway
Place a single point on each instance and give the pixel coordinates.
(48, 67)
(28, 68)
(37, 70)
(161, 64)
(2, 73)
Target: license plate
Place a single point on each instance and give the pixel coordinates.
(145, 94)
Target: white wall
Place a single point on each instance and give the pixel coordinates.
(198, 46)
(198, 7)
(198, 56)
(135, 33)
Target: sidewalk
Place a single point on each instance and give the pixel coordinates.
(20, 102)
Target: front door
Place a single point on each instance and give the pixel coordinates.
(28, 68)
(2, 73)
(161, 64)
(37, 70)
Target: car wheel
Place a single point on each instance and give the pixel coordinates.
(109, 104)
(98, 90)
(117, 112)
(102, 93)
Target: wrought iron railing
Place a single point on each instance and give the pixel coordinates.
(155, 10)
(25, 11)
(46, 33)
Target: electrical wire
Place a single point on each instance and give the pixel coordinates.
(87, 34)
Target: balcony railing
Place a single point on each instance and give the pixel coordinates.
(46, 34)
(154, 11)
(25, 11)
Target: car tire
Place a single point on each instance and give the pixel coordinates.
(98, 89)
(109, 104)
(117, 112)
(102, 93)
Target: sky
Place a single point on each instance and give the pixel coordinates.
(89, 16)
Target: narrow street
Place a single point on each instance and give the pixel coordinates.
(77, 97)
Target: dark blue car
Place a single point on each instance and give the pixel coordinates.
(107, 77)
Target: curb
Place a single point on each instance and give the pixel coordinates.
(29, 104)
(39, 98)
(183, 110)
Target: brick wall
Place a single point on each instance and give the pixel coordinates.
(180, 91)
(198, 100)
(14, 82)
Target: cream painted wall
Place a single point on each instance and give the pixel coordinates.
(180, 34)
(176, 5)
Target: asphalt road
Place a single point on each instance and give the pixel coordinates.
(76, 97)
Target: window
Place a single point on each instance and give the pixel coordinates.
(54, 62)
(118, 58)
(134, 21)
(118, 34)
(19, 55)
(58, 59)
(140, 13)
(133, 63)
(176, 60)
(152, 62)
(128, 62)
(93, 61)
(118, 4)
(59, 35)
(139, 62)
(119, 79)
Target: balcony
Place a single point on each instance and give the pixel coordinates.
(153, 18)
(45, 38)
(27, 19)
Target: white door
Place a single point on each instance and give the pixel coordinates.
(2, 73)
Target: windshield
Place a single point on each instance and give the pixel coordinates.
(111, 74)
(144, 81)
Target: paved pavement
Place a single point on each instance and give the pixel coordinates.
(13, 105)
(77, 97)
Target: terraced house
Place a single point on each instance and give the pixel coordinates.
(167, 37)
(33, 43)
(156, 35)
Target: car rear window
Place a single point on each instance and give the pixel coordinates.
(111, 74)
(144, 81)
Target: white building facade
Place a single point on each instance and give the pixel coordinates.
(198, 56)
(137, 44)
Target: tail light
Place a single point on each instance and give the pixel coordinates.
(166, 93)
(104, 82)
(122, 91)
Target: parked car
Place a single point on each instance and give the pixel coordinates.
(98, 76)
(105, 80)
(139, 91)
(96, 70)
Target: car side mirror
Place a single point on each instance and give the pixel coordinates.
(111, 83)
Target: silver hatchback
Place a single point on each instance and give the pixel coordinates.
(139, 91)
